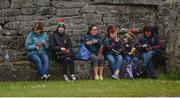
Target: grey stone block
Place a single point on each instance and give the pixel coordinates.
(21, 3)
(68, 12)
(4, 4)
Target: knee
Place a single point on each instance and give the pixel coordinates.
(68, 59)
(119, 57)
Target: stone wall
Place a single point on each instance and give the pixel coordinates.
(18, 16)
(169, 24)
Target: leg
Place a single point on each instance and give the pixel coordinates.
(135, 60)
(101, 66)
(37, 61)
(94, 59)
(112, 62)
(119, 62)
(65, 66)
(150, 65)
(71, 65)
(128, 59)
(147, 56)
(45, 62)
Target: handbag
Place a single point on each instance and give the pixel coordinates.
(83, 53)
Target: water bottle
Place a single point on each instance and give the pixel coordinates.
(6, 57)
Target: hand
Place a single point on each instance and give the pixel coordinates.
(144, 46)
(64, 50)
(38, 47)
(89, 42)
(117, 39)
(43, 42)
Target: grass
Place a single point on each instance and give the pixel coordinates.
(112, 88)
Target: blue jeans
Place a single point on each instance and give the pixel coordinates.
(147, 57)
(130, 59)
(115, 61)
(41, 61)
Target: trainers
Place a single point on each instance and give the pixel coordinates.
(101, 77)
(115, 76)
(44, 77)
(47, 77)
(65, 77)
(96, 77)
(73, 77)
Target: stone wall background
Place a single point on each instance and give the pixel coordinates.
(18, 16)
(169, 24)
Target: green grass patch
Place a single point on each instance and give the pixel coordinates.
(108, 88)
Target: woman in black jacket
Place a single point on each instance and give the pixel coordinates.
(61, 47)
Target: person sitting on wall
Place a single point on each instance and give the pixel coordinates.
(93, 42)
(61, 48)
(36, 44)
(113, 50)
(149, 46)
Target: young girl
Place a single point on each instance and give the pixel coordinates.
(112, 50)
(36, 44)
(93, 42)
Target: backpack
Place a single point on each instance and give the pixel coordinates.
(83, 53)
(140, 71)
(129, 71)
(135, 71)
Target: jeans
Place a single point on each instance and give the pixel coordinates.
(115, 61)
(41, 61)
(147, 57)
(130, 59)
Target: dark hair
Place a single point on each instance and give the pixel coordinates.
(90, 28)
(38, 26)
(111, 27)
(147, 28)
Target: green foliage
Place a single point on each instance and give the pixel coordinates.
(109, 88)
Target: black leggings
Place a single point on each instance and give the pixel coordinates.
(68, 62)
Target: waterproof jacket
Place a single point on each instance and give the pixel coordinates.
(57, 41)
(94, 48)
(110, 45)
(152, 42)
(33, 40)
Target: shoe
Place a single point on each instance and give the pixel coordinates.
(47, 77)
(115, 76)
(73, 77)
(96, 77)
(65, 77)
(101, 77)
(44, 77)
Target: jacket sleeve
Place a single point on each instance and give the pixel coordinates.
(29, 45)
(46, 45)
(69, 44)
(157, 44)
(52, 43)
(138, 44)
(108, 45)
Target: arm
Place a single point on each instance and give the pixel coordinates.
(46, 45)
(157, 44)
(29, 45)
(69, 44)
(52, 44)
(108, 45)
